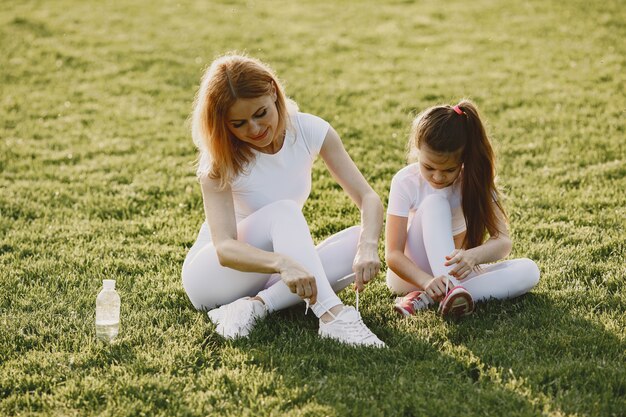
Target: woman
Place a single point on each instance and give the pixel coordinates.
(254, 254)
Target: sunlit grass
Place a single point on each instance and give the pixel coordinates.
(98, 182)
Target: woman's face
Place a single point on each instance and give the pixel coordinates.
(439, 169)
(255, 121)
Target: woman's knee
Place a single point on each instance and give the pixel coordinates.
(199, 272)
(284, 214)
(191, 276)
(348, 237)
(283, 208)
(187, 272)
(353, 231)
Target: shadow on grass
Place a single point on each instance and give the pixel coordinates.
(412, 377)
(548, 345)
(524, 357)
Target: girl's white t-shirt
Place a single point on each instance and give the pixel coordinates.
(408, 190)
(285, 175)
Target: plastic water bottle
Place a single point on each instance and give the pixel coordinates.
(107, 312)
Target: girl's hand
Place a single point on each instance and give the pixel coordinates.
(436, 288)
(366, 265)
(464, 261)
(299, 280)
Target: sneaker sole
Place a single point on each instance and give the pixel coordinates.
(458, 305)
(403, 312)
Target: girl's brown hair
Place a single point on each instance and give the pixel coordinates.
(230, 77)
(444, 130)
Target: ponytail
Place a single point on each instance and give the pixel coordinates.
(447, 129)
(478, 182)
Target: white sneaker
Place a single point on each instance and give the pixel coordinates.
(237, 318)
(348, 327)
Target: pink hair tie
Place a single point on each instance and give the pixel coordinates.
(457, 109)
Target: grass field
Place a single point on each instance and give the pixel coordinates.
(98, 182)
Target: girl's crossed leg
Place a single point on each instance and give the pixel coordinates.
(430, 240)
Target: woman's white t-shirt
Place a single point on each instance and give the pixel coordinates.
(409, 189)
(285, 175)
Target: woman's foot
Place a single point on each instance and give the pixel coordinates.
(348, 327)
(237, 318)
(457, 303)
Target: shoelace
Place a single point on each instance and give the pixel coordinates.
(420, 301)
(308, 302)
(356, 328)
(359, 329)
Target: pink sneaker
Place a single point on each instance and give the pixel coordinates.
(457, 303)
(412, 303)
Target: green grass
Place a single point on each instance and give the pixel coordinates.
(98, 182)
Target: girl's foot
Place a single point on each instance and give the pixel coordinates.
(412, 303)
(237, 318)
(457, 303)
(348, 327)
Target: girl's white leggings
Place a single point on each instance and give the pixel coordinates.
(278, 227)
(429, 241)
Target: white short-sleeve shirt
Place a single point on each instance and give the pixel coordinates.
(408, 190)
(285, 175)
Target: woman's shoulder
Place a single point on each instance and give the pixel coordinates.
(312, 129)
(307, 119)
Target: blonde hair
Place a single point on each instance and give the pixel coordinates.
(230, 77)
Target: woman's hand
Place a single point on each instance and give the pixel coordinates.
(366, 264)
(299, 280)
(436, 288)
(464, 261)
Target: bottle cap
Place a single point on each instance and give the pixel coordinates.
(108, 284)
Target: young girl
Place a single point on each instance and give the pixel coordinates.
(254, 254)
(440, 211)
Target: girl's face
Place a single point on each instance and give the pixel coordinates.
(439, 169)
(255, 121)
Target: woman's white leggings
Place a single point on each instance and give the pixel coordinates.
(429, 241)
(278, 227)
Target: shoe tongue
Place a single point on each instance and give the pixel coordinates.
(348, 314)
(239, 311)
(258, 307)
